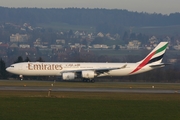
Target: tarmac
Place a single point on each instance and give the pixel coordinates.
(57, 89)
(83, 89)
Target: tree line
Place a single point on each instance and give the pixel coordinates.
(105, 20)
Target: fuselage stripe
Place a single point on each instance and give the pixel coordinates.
(143, 63)
(156, 59)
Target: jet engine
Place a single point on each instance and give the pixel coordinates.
(88, 74)
(68, 76)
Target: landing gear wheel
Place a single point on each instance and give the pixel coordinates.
(92, 80)
(21, 77)
(88, 80)
(84, 80)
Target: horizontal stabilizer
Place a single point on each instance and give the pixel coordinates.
(159, 65)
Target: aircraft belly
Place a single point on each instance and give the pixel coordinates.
(40, 73)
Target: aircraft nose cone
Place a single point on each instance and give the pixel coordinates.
(8, 69)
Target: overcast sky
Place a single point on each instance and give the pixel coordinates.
(150, 6)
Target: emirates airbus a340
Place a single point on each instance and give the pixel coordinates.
(89, 71)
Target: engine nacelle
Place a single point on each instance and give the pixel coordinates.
(68, 76)
(88, 74)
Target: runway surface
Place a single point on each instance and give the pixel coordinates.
(58, 89)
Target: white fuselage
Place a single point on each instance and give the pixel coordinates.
(72, 70)
(57, 68)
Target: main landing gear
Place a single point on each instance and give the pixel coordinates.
(88, 80)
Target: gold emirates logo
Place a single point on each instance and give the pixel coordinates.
(42, 66)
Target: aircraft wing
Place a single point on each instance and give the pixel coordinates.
(98, 70)
(103, 70)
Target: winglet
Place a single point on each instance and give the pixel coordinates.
(124, 66)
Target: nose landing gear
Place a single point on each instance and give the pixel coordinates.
(21, 77)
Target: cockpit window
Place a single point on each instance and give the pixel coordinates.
(11, 66)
